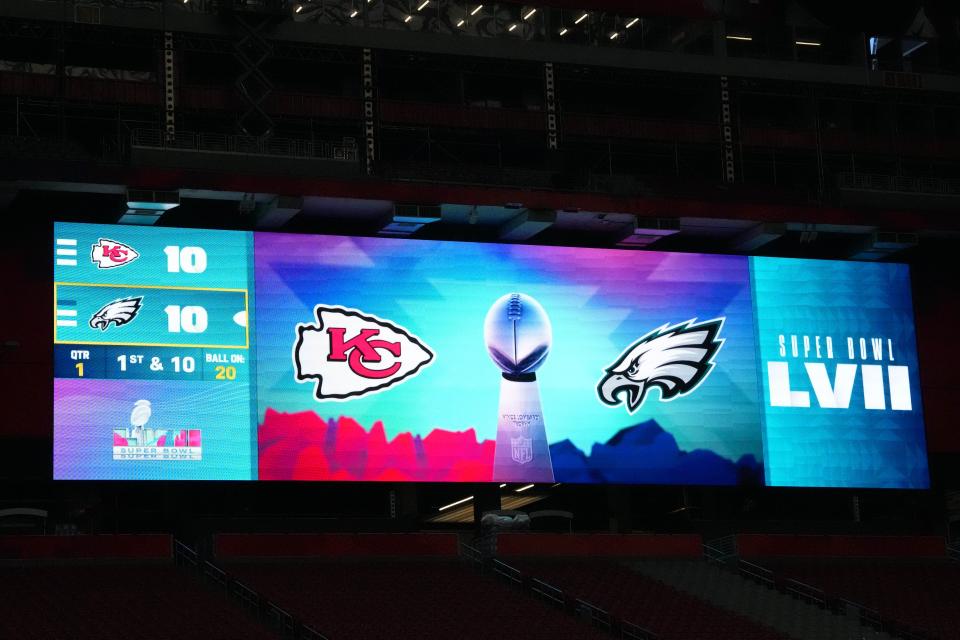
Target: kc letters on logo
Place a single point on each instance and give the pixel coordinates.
(349, 353)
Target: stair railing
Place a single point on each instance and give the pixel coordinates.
(504, 570)
(471, 554)
(867, 616)
(630, 631)
(547, 591)
(721, 550)
(596, 616)
(755, 572)
(953, 553)
(805, 592)
(263, 609)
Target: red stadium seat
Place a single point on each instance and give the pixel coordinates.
(117, 602)
(424, 599)
(667, 612)
(921, 593)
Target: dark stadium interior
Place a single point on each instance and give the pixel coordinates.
(776, 128)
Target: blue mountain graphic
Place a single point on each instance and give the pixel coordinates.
(646, 454)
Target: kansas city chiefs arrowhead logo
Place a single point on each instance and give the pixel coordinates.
(674, 359)
(350, 353)
(107, 254)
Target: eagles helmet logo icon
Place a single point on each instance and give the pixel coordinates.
(675, 359)
(119, 312)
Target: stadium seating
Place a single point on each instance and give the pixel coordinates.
(757, 600)
(422, 599)
(921, 593)
(665, 611)
(117, 602)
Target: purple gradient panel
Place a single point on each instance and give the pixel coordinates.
(216, 417)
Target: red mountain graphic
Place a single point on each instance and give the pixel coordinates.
(304, 446)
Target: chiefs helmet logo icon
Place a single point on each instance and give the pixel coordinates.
(349, 353)
(107, 254)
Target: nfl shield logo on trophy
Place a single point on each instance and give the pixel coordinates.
(521, 450)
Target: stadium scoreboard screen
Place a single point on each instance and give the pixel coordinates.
(163, 314)
(187, 354)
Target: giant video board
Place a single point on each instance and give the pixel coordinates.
(191, 354)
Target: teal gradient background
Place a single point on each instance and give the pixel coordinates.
(854, 447)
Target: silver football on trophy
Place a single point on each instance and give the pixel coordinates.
(518, 334)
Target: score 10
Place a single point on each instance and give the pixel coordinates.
(151, 364)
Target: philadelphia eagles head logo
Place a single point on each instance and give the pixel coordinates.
(118, 312)
(674, 359)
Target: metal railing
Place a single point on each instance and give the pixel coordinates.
(471, 554)
(805, 592)
(755, 572)
(867, 616)
(262, 609)
(547, 591)
(506, 571)
(345, 150)
(592, 614)
(184, 556)
(596, 616)
(633, 632)
(953, 553)
(721, 550)
(899, 184)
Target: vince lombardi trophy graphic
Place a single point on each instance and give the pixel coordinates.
(518, 334)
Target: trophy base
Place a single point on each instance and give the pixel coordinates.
(522, 453)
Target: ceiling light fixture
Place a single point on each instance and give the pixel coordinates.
(581, 18)
(476, 9)
(633, 22)
(808, 43)
(461, 22)
(741, 38)
(354, 13)
(423, 5)
(614, 35)
(529, 14)
(298, 9)
(512, 27)
(524, 488)
(453, 504)
(408, 18)
(563, 31)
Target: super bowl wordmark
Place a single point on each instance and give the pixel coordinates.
(675, 359)
(837, 393)
(349, 353)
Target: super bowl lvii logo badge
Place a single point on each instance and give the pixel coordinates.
(350, 353)
(675, 359)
